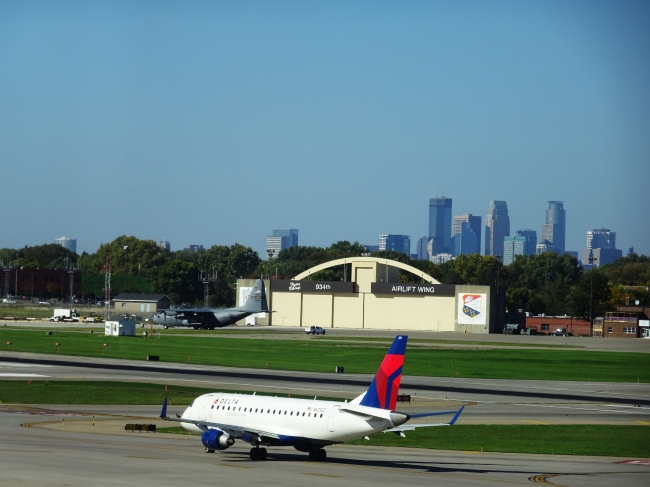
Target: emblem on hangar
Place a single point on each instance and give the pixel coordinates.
(472, 305)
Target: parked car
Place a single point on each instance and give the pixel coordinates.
(44, 303)
(560, 332)
(314, 330)
(8, 301)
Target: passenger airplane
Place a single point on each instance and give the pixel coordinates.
(211, 318)
(307, 425)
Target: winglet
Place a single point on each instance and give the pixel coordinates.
(457, 414)
(163, 413)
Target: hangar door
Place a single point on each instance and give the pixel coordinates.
(317, 310)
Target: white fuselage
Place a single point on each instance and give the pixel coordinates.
(293, 419)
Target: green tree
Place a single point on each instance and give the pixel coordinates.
(177, 277)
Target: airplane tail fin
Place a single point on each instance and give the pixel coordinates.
(256, 302)
(382, 393)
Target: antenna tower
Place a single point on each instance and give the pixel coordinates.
(206, 279)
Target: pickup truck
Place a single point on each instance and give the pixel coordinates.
(314, 330)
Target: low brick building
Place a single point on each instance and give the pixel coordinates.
(620, 324)
(548, 324)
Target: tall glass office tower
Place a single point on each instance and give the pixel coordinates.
(554, 228)
(497, 227)
(440, 224)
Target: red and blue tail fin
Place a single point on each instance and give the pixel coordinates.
(382, 393)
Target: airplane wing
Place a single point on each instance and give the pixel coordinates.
(399, 430)
(234, 431)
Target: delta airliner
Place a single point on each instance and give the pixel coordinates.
(307, 425)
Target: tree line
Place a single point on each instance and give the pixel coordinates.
(547, 283)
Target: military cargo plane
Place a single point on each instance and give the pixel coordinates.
(211, 318)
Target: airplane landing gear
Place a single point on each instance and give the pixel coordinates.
(207, 450)
(258, 453)
(318, 455)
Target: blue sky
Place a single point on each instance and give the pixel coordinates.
(215, 122)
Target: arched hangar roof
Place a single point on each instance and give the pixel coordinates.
(353, 260)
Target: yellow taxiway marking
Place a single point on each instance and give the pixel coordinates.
(531, 421)
(644, 423)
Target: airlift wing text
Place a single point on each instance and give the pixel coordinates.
(401, 288)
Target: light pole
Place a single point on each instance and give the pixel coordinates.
(591, 260)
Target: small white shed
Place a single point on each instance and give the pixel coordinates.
(124, 327)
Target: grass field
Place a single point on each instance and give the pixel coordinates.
(103, 392)
(313, 355)
(592, 440)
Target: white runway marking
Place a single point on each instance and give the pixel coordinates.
(22, 375)
(11, 364)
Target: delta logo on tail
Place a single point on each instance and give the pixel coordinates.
(382, 393)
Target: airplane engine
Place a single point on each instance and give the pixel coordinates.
(216, 440)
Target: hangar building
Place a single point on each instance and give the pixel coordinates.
(373, 298)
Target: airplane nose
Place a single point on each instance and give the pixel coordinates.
(398, 418)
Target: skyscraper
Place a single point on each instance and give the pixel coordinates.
(474, 224)
(601, 247)
(497, 227)
(465, 241)
(68, 243)
(440, 224)
(282, 238)
(554, 228)
(601, 238)
(422, 249)
(522, 243)
(398, 243)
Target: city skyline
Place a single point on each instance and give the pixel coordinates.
(341, 118)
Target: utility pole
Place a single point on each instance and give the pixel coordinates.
(591, 260)
(107, 289)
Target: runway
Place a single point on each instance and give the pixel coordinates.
(54, 452)
(488, 401)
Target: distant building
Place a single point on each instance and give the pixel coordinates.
(141, 303)
(601, 247)
(465, 241)
(513, 245)
(544, 246)
(554, 229)
(497, 227)
(68, 243)
(195, 248)
(281, 239)
(522, 243)
(398, 243)
(440, 224)
(441, 258)
(164, 244)
(474, 224)
(601, 239)
(630, 251)
(423, 248)
(531, 240)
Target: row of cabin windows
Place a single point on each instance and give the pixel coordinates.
(268, 411)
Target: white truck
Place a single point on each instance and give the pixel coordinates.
(65, 315)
